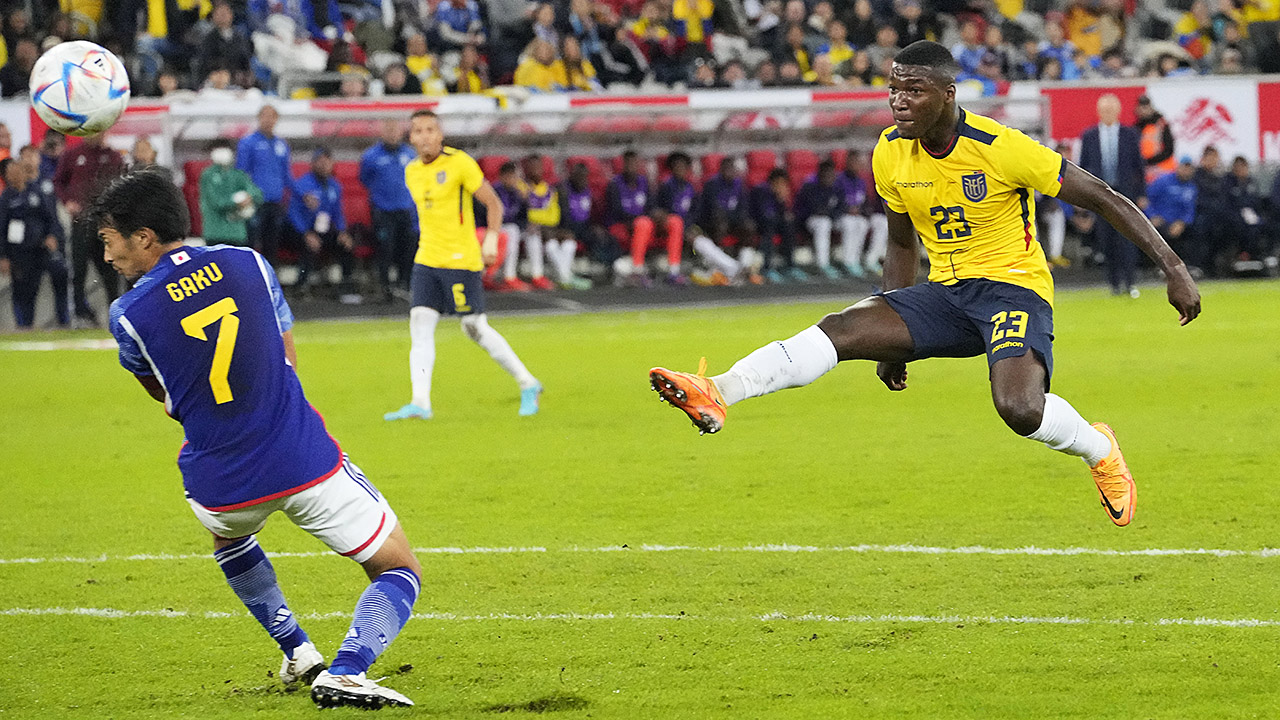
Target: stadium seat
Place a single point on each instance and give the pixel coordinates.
(839, 156)
(191, 191)
(759, 163)
(711, 164)
(597, 176)
(491, 164)
(347, 172)
(801, 165)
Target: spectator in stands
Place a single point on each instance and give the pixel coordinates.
(392, 211)
(862, 218)
(819, 18)
(1229, 62)
(820, 205)
(862, 24)
(458, 23)
(659, 46)
(472, 75)
(593, 38)
(724, 206)
(734, 76)
(543, 201)
(144, 155)
(266, 158)
(539, 71)
(1048, 69)
(6, 141)
(396, 80)
(860, 71)
(34, 241)
(514, 220)
(837, 49)
(319, 19)
(228, 197)
(16, 74)
(912, 24)
(1171, 202)
(1114, 66)
(319, 222)
(577, 73)
(224, 45)
(416, 57)
(578, 219)
(1057, 47)
(969, 51)
(543, 24)
(83, 171)
(885, 47)
(1214, 217)
(766, 74)
(1248, 206)
(772, 215)
(1262, 24)
(794, 50)
(1112, 152)
(1157, 140)
(17, 26)
(994, 42)
(167, 84)
(692, 21)
(1194, 31)
(628, 206)
(703, 74)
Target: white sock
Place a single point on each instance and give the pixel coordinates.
(715, 257)
(1064, 430)
(422, 353)
(565, 255)
(477, 328)
(513, 251)
(820, 231)
(853, 238)
(1056, 227)
(879, 240)
(552, 250)
(533, 246)
(779, 365)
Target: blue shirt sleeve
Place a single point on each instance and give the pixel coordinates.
(131, 357)
(1189, 207)
(300, 216)
(244, 157)
(339, 219)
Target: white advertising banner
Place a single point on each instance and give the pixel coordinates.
(1220, 112)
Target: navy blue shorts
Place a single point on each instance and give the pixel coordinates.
(448, 291)
(975, 316)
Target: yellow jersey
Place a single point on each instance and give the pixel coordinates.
(442, 191)
(974, 203)
(546, 78)
(543, 203)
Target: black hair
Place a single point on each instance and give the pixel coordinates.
(676, 157)
(4, 166)
(929, 54)
(424, 112)
(827, 165)
(778, 173)
(220, 142)
(726, 162)
(143, 199)
(629, 154)
(506, 167)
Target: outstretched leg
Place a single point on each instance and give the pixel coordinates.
(477, 328)
(870, 330)
(1018, 390)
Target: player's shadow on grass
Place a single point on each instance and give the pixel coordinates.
(555, 702)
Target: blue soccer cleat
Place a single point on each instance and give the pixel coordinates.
(529, 400)
(413, 411)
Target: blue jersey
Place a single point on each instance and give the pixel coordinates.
(382, 173)
(206, 323)
(266, 160)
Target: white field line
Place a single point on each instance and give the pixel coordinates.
(114, 614)
(905, 549)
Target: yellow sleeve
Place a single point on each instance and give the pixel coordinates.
(882, 170)
(1026, 163)
(472, 175)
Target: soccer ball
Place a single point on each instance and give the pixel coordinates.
(79, 88)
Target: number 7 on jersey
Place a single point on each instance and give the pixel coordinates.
(194, 325)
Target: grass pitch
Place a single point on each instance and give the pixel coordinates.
(838, 551)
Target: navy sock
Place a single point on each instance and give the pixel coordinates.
(250, 575)
(383, 609)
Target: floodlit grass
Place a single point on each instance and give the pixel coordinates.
(700, 614)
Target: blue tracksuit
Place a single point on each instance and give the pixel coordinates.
(1172, 199)
(266, 160)
(382, 173)
(330, 195)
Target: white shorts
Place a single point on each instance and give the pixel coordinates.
(345, 512)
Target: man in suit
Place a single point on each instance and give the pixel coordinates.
(1113, 152)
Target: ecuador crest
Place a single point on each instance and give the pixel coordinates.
(975, 185)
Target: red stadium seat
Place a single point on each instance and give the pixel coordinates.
(491, 164)
(191, 191)
(839, 157)
(801, 165)
(347, 172)
(597, 176)
(711, 164)
(759, 163)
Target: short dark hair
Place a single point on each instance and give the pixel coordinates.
(929, 54)
(630, 155)
(676, 157)
(827, 165)
(424, 112)
(220, 142)
(144, 198)
(778, 174)
(506, 167)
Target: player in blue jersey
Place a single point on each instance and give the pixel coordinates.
(207, 332)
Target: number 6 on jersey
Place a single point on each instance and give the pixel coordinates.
(194, 325)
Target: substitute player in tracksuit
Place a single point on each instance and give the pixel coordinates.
(31, 244)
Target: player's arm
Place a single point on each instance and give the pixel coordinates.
(152, 386)
(493, 212)
(1086, 191)
(902, 257)
(290, 352)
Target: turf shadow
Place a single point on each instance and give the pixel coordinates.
(556, 702)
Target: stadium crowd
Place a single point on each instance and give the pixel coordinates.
(433, 47)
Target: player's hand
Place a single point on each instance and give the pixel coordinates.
(489, 250)
(311, 200)
(893, 375)
(1183, 294)
(313, 242)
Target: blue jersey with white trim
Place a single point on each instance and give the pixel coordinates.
(207, 323)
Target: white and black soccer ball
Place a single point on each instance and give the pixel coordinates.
(79, 88)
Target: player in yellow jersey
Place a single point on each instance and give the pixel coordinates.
(965, 184)
(447, 267)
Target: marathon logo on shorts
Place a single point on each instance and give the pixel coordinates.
(975, 186)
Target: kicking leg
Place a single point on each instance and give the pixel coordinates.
(477, 328)
(870, 330)
(251, 576)
(1017, 388)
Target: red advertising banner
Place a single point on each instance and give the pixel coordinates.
(1269, 121)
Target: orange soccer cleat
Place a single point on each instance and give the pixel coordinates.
(1115, 483)
(694, 393)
